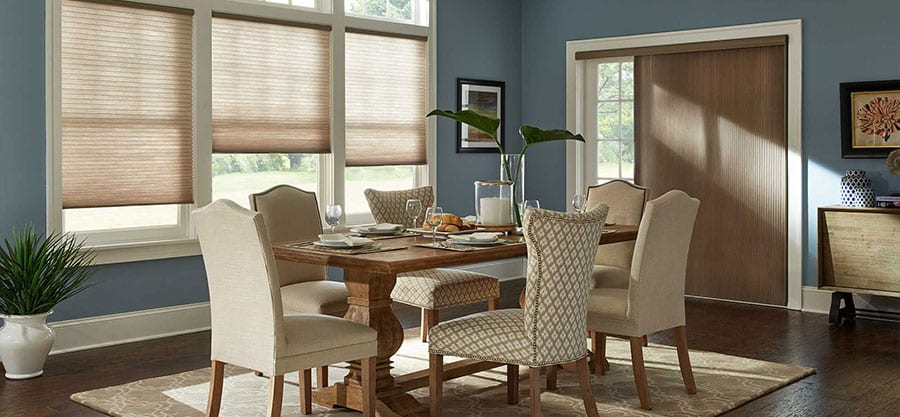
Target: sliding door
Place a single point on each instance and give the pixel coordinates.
(713, 123)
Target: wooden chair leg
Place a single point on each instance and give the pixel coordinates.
(276, 395)
(216, 380)
(598, 345)
(435, 383)
(429, 319)
(534, 382)
(322, 377)
(584, 379)
(305, 391)
(512, 384)
(493, 304)
(551, 378)
(640, 374)
(258, 373)
(368, 386)
(684, 360)
(644, 341)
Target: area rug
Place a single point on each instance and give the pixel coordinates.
(723, 383)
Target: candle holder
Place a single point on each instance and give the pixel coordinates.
(494, 204)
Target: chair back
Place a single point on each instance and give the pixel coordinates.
(656, 290)
(390, 206)
(244, 294)
(626, 206)
(291, 214)
(561, 249)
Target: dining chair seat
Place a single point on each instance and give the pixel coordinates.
(441, 287)
(610, 305)
(313, 340)
(495, 336)
(320, 297)
(607, 276)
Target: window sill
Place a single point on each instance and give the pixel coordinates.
(145, 251)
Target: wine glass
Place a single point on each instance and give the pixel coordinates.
(579, 201)
(413, 210)
(527, 204)
(434, 216)
(333, 214)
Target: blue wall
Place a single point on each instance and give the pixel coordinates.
(842, 41)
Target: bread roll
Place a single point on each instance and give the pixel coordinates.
(449, 223)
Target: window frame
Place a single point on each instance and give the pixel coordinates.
(591, 102)
(146, 243)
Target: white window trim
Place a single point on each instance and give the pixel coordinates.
(793, 29)
(131, 246)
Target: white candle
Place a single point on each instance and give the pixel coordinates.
(495, 211)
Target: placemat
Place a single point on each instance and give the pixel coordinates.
(346, 251)
(456, 247)
(383, 237)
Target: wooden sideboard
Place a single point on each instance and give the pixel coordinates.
(859, 252)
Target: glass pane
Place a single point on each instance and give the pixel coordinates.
(355, 7)
(236, 176)
(608, 159)
(376, 8)
(357, 179)
(627, 79)
(627, 120)
(106, 218)
(608, 120)
(400, 9)
(627, 159)
(608, 81)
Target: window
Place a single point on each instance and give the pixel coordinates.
(265, 96)
(610, 107)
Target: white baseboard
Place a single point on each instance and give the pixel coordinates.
(819, 301)
(115, 329)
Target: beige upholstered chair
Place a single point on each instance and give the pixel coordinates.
(249, 328)
(654, 299)
(550, 329)
(292, 214)
(430, 289)
(626, 206)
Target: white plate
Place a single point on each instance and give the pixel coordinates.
(485, 237)
(374, 231)
(354, 242)
(476, 242)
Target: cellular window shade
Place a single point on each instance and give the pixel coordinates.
(270, 87)
(126, 104)
(386, 93)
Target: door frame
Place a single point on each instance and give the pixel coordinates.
(575, 81)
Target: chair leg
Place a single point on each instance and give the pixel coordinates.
(598, 345)
(216, 379)
(276, 395)
(429, 319)
(640, 374)
(322, 377)
(534, 381)
(368, 386)
(305, 391)
(684, 360)
(551, 377)
(493, 304)
(512, 384)
(258, 373)
(584, 379)
(435, 383)
(644, 341)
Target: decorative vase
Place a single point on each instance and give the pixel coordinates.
(512, 169)
(25, 342)
(494, 203)
(856, 189)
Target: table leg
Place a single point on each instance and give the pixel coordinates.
(370, 304)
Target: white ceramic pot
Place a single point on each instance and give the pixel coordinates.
(25, 342)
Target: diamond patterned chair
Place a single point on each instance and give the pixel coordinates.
(430, 289)
(654, 298)
(626, 206)
(549, 331)
(250, 329)
(293, 214)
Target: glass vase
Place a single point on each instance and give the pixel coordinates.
(512, 169)
(494, 203)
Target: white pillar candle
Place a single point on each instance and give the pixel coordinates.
(495, 211)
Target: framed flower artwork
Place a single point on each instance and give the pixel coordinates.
(870, 118)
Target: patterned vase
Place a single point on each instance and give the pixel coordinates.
(856, 189)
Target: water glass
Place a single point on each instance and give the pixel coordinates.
(527, 204)
(579, 201)
(434, 216)
(333, 214)
(414, 210)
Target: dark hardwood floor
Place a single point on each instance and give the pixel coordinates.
(858, 365)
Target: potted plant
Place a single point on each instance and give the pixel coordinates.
(511, 165)
(37, 272)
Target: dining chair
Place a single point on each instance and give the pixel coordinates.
(549, 331)
(292, 214)
(249, 326)
(430, 289)
(654, 298)
(626, 206)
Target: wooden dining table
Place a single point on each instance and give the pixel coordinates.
(369, 278)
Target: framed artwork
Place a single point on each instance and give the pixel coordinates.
(486, 98)
(870, 118)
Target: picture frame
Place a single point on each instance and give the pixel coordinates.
(870, 118)
(485, 97)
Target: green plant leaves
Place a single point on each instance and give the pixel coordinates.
(488, 125)
(533, 135)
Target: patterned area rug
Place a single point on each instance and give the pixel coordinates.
(723, 383)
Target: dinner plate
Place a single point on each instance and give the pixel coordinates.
(354, 242)
(376, 231)
(476, 242)
(486, 237)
